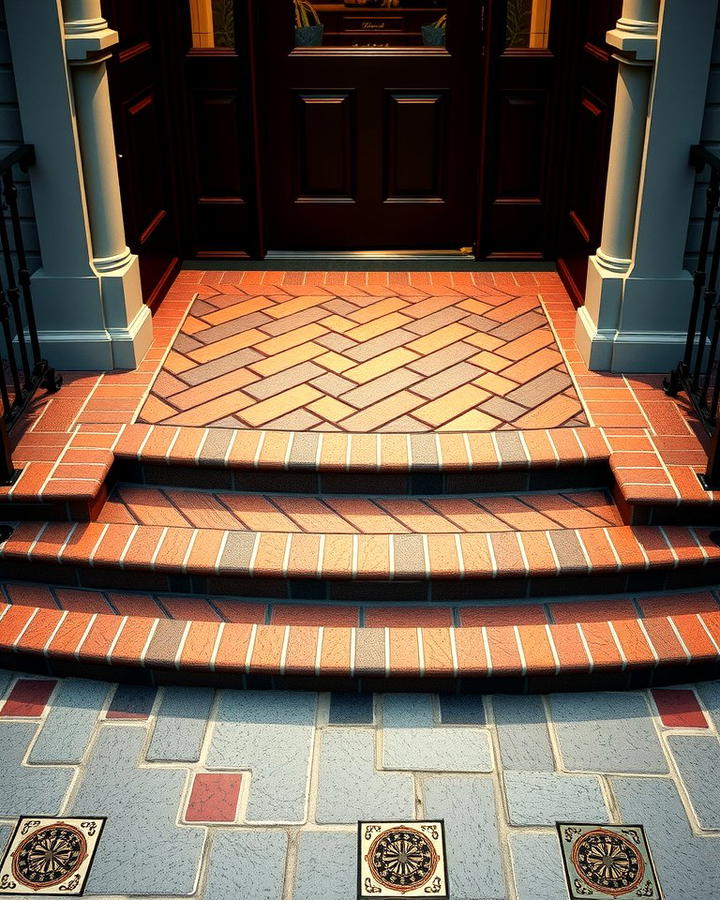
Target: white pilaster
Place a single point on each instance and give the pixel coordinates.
(127, 319)
(85, 321)
(638, 294)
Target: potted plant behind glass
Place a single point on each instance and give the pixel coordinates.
(433, 35)
(308, 27)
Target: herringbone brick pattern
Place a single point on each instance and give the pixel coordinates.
(316, 357)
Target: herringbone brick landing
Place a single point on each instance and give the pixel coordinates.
(359, 356)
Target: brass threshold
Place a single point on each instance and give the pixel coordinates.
(463, 253)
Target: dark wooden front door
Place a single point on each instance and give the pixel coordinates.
(370, 142)
(142, 120)
(592, 74)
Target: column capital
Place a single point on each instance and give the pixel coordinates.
(87, 33)
(89, 46)
(635, 35)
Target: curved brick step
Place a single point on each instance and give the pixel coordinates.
(618, 652)
(461, 614)
(343, 514)
(385, 463)
(437, 567)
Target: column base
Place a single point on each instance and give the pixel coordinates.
(72, 328)
(628, 351)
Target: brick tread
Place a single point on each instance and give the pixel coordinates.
(457, 451)
(57, 643)
(386, 557)
(358, 514)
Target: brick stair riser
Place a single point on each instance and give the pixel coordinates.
(367, 588)
(421, 481)
(368, 682)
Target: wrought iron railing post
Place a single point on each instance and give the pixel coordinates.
(22, 368)
(697, 373)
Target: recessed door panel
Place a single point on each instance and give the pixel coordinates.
(325, 128)
(523, 128)
(416, 140)
(220, 146)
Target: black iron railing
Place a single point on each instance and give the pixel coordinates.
(697, 373)
(22, 368)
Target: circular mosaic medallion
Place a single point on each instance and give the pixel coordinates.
(608, 862)
(402, 859)
(49, 856)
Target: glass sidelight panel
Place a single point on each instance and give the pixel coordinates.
(528, 24)
(383, 24)
(213, 24)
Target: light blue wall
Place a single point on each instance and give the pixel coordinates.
(10, 138)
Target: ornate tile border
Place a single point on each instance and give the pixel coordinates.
(602, 861)
(49, 856)
(401, 859)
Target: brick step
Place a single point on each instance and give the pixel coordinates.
(314, 462)
(674, 644)
(343, 514)
(461, 614)
(393, 567)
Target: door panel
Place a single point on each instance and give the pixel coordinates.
(325, 126)
(416, 134)
(370, 148)
(593, 74)
(519, 141)
(138, 86)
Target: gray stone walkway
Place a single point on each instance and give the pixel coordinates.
(256, 796)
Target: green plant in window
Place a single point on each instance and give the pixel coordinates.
(519, 13)
(224, 22)
(305, 14)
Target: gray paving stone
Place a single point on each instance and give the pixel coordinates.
(246, 865)
(133, 701)
(349, 787)
(5, 832)
(5, 679)
(181, 723)
(523, 733)
(688, 866)
(537, 866)
(462, 709)
(73, 716)
(327, 866)
(271, 734)
(698, 761)
(410, 743)
(710, 695)
(28, 790)
(351, 709)
(545, 798)
(142, 850)
(607, 732)
(467, 805)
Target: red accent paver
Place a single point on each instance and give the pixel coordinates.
(213, 797)
(679, 708)
(28, 698)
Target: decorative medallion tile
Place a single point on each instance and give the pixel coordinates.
(402, 859)
(50, 857)
(607, 861)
